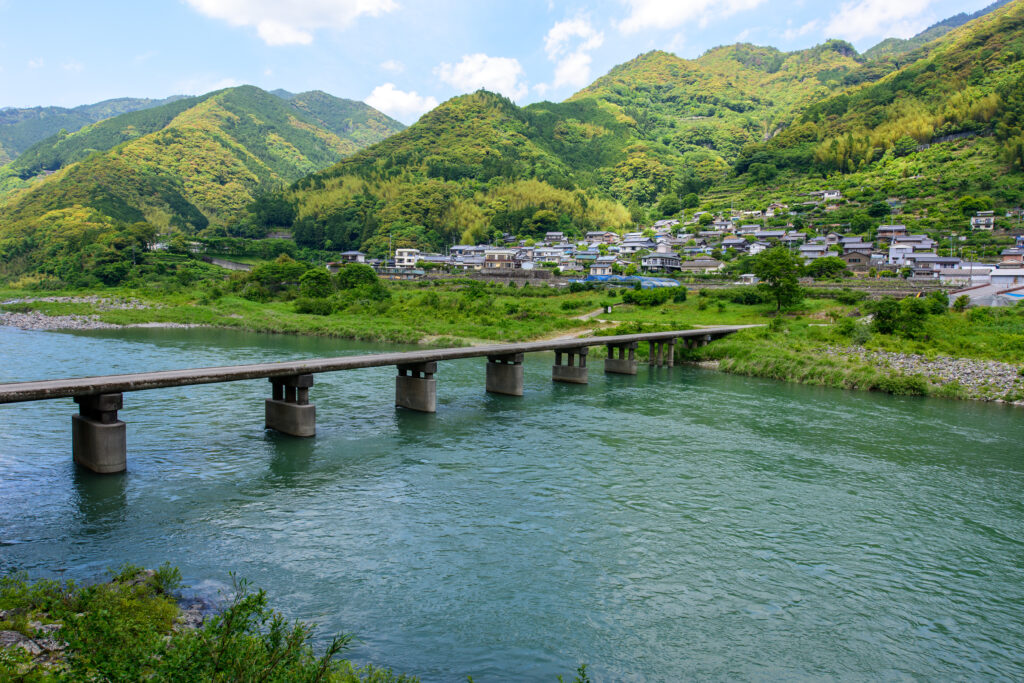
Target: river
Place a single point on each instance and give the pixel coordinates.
(679, 524)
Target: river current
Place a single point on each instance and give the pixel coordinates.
(679, 524)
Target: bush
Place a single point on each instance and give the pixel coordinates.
(254, 291)
(903, 385)
(961, 303)
(318, 306)
(356, 275)
(650, 297)
(316, 284)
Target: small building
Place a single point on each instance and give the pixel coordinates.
(662, 259)
(632, 246)
(1013, 257)
(352, 257)
(701, 265)
(749, 279)
(603, 236)
(983, 220)
(406, 258)
(554, 237)
(891, 232)
(499, 259)
(603, 265)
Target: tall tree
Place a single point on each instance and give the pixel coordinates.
(779, 271)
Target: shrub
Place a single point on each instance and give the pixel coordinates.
(316, 284)
(356, 275)
(961, 303)
(650, 297)
(318, 306)
(903, 385)
(254, 291)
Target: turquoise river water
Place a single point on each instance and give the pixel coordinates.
(679, 524)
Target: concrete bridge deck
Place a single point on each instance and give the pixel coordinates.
(98, 437)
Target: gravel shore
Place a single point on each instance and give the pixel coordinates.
(34, 320)
(982, 379)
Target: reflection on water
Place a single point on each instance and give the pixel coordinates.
(673, 525)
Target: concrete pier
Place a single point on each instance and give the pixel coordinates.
(416, 388)
(662, 353)
(624, 363)
(289, 411)
(505, 374)
(98, 439)
(575, 369)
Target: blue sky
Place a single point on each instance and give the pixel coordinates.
(401, 56)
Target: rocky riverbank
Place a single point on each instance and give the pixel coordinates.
(19, 313)
(980, 379)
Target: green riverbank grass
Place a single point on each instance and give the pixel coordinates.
(794, 346)
(130, 630)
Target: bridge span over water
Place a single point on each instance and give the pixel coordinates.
(98, 437)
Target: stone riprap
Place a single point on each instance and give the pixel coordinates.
(35, 320)
(982, 379)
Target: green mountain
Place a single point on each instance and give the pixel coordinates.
(22, 128)
(190, 164)
(896, 47)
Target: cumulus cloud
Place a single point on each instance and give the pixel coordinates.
(498, 74)
(404, 106)
(393, 65)
(73, 66)
(36, 63)
(791, 33)
(662, 14)
(292, 22)
(569, 44)
(879, 18)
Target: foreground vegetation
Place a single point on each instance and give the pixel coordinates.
(131, 629)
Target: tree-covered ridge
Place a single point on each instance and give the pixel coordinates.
(969, 82)
(894, 47)
(22, 128)
(200, 168)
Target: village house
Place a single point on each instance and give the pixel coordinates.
(632, 246)
(756, 248)
(406, 258)
(602, 265)
(554, 237)
(662, 259)
(983, 220)
(809, 252)
(701, 265)
(828, 195)
(604, 236)
(890, 232)
(499, 259)
(1012, 258)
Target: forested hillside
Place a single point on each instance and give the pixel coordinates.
(22, 128)
(186, 166)
(660, 133)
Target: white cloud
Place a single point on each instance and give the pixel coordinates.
(292, 22)
(664, 14)
(200, 85)
(393, 65)
(878, 18)
(572, 62)
(280, 33)
(146, 56)
(791, 33)
(73, 66)
(498, 74)
(742, 36)
(36, 63)
(402, 105)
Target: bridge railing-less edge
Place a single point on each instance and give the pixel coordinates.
(98, 440)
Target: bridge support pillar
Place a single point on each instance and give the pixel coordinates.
(654, 356)
(670, 352)
(575, 370)
(416, 388)
(98, 438)
(505, 374)
(621, 364)
(289, 411)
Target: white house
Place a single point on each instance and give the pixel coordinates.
(406, 258)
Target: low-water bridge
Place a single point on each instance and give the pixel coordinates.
(98, 437)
